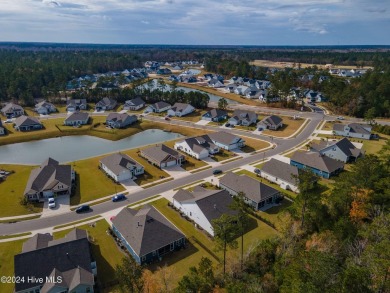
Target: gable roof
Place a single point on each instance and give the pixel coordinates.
(253, 189)
(317, 161)
(77, 116)
(281, 170)
(106, 102)
(44, 104)
(121, 118)
(161, 105)
(76, 102)
(354, 127)
(26, 121)
(160, 152)
(199, 143)
(223, 137)
(11, 107)
(215, 113)
(272, 120)
(180, 107)
(118, 163)
(135, 102)
(145, 230)
(347, 147)
(242, 115)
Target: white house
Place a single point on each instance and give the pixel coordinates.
(180, 109)
(203, 205)
(77, 118)
(45, 108)
(121, 167)
(226, 140)
(283, 174)
(355, 130)
(342, 150)
(158, 107)
(134, 104)
(199, 147)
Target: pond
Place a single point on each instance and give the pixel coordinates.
(72, 148)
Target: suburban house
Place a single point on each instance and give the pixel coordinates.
(49, 179)
(342, 150)
(199, 147)
(162, 156)
(147, 234)
(203, 205)
(180, 109)
(77, 118)
(120, 120)
(215, 115)
(354, 130)
(320, 165)
(241, 90)
(76, 105)
(121, 167)
(257, 194)
(45, 108)
(26, 123)
(313, 96)
(230, 88)
(105, 104)
(2, 129)
(61, 265)
(226, 140)
(11, 110)
(134, 104)
(281, 173)
(272, 122)
(215, 83)
(242, 117)
(158, 107)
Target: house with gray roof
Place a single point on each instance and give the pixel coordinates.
(27, 123)
(162, 156)
(120, 120)
(77, 119)
(354, 130)
(180, 109)
(11, 110)
(198, 147)
(215, 83)
(2, 129)
(44, 108)
(215, 115)
(158, 107)
(147, 234)
(63, 265)
(49, 179)
(105, 104)
(76, 105)
(281, 173)
(226, 140)
(320, 165)
(272, 122)
(342, 150)
(257, 194)
(203, 205)
(243, 117)
(134, 104)
(121, 167)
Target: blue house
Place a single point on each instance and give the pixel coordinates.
(215, 115)
(320, 165)
(147, 234)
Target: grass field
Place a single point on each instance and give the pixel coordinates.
(12, 190)
(252, 145)
(192, 117)
(223, 155)
(274, 64)
(7, 252)
(290, 126)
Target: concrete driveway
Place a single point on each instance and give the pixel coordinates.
(62, 206)
(202, 122)
(176, 171)
(130, 186)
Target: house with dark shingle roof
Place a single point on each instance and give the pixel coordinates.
(257, 194)
(120, 120)
(45, 108)
(355, 130)
(272, 122)
(158, 107)
(162, 156)
(199, 147)
(2, 129)
(134, 104)
(226, 140)
(48, 180)
(121, 167)
(320, 165)
(215, 115)
(77, 118)
(342, 150)
(105, 104)
(281, 173)
(76, 105)
(242, 117)
(203, 205)
(11, 110)
(180, 109)
(27, 123)
(63, 265)
(147, 234)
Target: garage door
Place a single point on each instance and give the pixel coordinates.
(171, 163)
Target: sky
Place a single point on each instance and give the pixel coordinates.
(197, 22)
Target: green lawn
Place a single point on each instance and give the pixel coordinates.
(289, 193)
(12, 189)
(192, 117)
(374, 146)
(104, 250)
(290, 126)
(253, 145)
(274, 214)
(223, 155)
(7, 252)
(191, 163)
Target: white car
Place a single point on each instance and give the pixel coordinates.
(340, 118)
(52, 203)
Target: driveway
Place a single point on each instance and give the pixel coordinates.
(131, 186)
(202, 122)
(176, 172)
(62, 206)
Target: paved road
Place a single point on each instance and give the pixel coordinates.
(37, 224)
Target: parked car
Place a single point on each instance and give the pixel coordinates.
(118, 197)
(167, 118)
(227, 124)
(8, 121)
(82, 209)
(52, 203)
(217, 171)
(340, 118)
(257, 171)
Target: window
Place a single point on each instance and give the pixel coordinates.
(87, 290)
(172, 246)
(143, 258)
(154, 253)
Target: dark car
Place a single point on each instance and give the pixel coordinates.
(217, 171)
(118, 197)
(257, 171)
(82, 209)
(227, 124)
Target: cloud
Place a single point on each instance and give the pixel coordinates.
(145, 22)
(51, 3)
